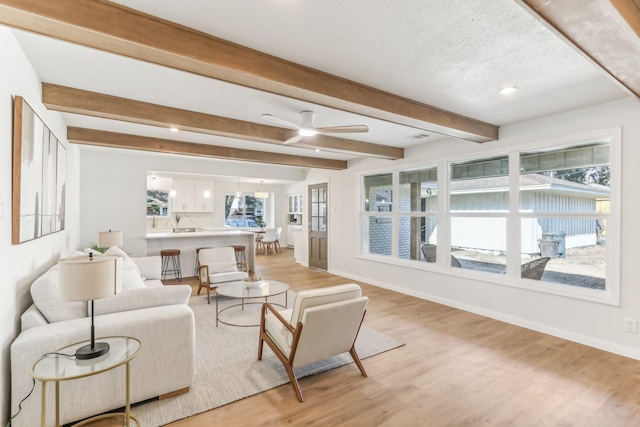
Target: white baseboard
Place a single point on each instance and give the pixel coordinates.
(631, 352)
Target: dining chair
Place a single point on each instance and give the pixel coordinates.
(268, 241)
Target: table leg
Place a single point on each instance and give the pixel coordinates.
(127, 410)
(57, 403)
(43, 404)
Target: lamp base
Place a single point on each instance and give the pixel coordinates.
(89, 352)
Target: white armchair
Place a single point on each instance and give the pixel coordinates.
(218, 265)
(327, 322)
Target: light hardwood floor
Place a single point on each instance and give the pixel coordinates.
(456, 369)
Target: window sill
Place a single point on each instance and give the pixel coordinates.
(513, 281)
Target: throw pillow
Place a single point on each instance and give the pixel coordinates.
(127, 262)
(130, 273)
(150, 267)
(46, 297)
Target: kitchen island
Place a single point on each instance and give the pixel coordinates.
(188, 242)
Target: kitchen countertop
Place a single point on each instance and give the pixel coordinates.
(201, 232)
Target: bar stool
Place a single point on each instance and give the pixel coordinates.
(171, 256)
(198, 259)
(240, 257)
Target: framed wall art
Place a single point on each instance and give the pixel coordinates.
(39, 177)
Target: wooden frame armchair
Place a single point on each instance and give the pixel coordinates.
(327, 322)
(218, 265)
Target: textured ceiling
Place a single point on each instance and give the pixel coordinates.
(451, 54)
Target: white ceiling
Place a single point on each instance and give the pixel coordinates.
(450, 54)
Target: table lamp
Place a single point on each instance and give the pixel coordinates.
(87, 278)
(106, 239)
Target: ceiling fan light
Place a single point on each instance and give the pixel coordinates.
(307, 132)
(507, 90)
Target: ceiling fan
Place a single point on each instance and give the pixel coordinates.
(308, 128)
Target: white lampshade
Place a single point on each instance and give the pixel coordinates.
(106, 239)
(86, 278)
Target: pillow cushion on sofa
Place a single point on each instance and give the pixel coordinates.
(150, 267)
(136, 299)
(130, 273)
(127, 262)
(46, 297)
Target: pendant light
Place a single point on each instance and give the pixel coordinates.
(172, 192)
(261, 194)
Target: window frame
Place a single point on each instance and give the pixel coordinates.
(265, 212)
(610, 296)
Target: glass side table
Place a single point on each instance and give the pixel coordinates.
(54, 367)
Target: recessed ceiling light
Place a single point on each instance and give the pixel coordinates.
(507, 90)
(317, 150)
(307, 132)
(173, 129)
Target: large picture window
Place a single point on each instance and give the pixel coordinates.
(479, 204)
(376, 223)
(543, 218)
(564, 209)
(244, 211)
(418, 209)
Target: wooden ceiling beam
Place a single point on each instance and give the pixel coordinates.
(71, 100)
(114, 28)
(158, 145)
(606, 31)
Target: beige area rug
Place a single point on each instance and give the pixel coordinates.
(227, 368)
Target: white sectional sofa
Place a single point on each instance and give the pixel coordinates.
(159, 316)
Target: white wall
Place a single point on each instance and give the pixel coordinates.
(22, 264)
(113, 190)
(594, 324)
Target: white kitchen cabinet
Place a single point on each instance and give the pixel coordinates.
(183, 201)
(193, 196)
(203, 195)
(295, 203)
(291, 234)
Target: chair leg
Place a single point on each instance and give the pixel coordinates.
(294, 381)
(285, 362)
(208, 294)
(261, 334)
(356, 359)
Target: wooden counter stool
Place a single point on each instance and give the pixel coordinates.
(240, 257)
(195, 271)
(171, 256)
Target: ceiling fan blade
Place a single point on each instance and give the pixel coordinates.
(279, 121)
(343, 129)
(292, 140)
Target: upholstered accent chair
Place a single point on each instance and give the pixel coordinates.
(216, 266)
(322, 323)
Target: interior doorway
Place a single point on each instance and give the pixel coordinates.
(318, 226)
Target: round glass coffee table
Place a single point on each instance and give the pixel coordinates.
(245, 290)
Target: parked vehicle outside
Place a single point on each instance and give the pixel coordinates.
(238, 222)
